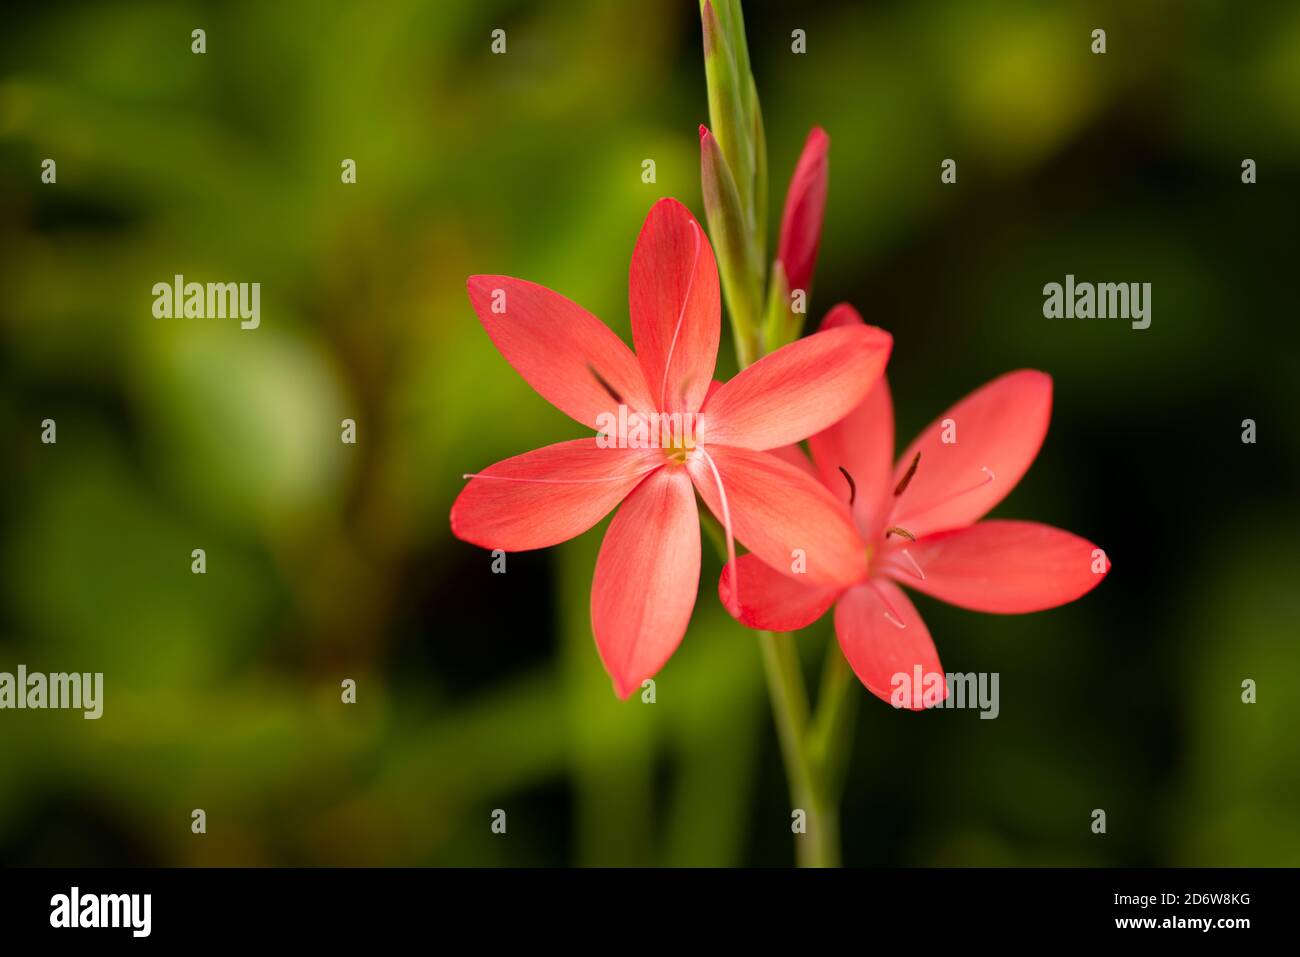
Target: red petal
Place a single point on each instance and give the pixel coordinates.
(646, 578)
(867, 622)
(805, 204)
(555, 345)
(999, 429)
(769, 600)
(796, 456)
(862, 443)
(799, 390)
(676, 312)
(548, 495)
(1002, 567)
(775, 509)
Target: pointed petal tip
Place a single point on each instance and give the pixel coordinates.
(1033, 379)
(670, 204)
(844, 316)
(646, 580)
(1031, 376)
(912, 706)
(886, 641)
(881, 338)
(466, 530)
(1005, 567)
(480, 285)
(674, 302)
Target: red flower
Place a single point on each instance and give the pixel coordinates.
(647, 573)
(919, 523)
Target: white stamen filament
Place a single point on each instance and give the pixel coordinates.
(726, 525)
(911, 518)
(549, 481)
(892, 613)
(919, 572)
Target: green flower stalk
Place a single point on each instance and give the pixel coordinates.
(781, 324)
(733, 174)
(733, 170)
(733, 167)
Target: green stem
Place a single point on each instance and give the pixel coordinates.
(811, 789)
(789, 708)
(837, 706)
(814, 749)
(733, 179)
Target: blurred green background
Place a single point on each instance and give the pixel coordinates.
(479, 691)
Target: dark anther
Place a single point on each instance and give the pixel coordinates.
(853, 486)
(605, 385)
(911, 470)
(900, 532)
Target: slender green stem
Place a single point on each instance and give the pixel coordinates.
(789, 708)
(811, 789)
(820, 847)
(832, 733)
(733, 178)
(813, 748)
